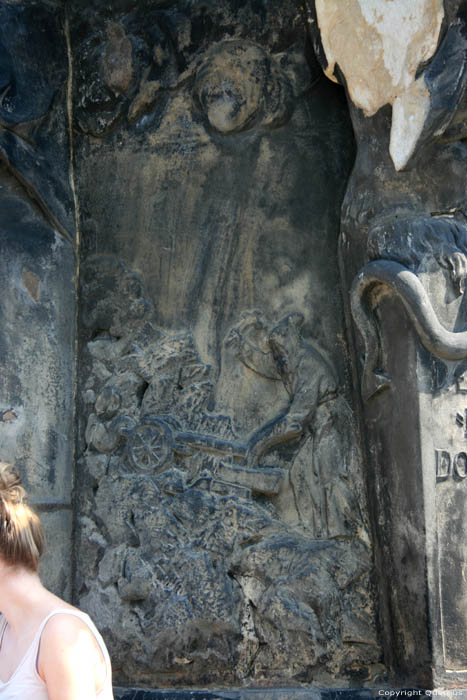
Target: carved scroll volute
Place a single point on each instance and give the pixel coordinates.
(405, 285)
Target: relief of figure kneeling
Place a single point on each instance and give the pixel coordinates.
(324, 487)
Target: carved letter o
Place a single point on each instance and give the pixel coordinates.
(460, 465)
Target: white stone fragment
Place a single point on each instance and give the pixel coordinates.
(378, 46)
(409, 112)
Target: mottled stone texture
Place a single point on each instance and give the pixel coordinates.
(37, 261)
(403, 248)
(222, 533)
(172, 331)
(171, 181)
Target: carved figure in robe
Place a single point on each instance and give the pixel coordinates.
(324, 471)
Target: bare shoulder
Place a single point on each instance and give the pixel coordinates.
(67, 637)
(70, 657)
(67, 628)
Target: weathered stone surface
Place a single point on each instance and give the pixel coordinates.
(37, 321)
(398, 37)
(55, 567)
(403, 232)
(190, 159)
(33, 110)
(309, 693)
(38, 301)
(202, 562)
(223, 534)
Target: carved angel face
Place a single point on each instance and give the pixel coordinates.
(239, 85)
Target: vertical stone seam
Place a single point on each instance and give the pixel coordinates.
(74, 430)
(69, 104)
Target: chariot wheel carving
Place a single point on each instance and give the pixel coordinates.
(150, 446)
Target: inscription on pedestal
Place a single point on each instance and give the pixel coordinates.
(448, 465)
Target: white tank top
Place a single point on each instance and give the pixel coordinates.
(25, 683)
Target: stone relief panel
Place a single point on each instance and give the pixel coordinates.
(209, 554)
(260, 139)
(223, 534)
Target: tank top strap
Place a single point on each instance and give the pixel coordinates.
(106, 690)
(3, 624)
(84, 617)
(33, 650)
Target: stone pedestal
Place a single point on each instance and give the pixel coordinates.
(415, 432)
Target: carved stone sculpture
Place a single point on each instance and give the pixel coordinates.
(258, 500)
(214, 557)
(322, 482)
(266, 520)
(403, 251)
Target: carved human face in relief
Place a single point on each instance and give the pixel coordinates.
(239, 85)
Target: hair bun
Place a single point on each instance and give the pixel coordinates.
(11, 490)
(21, 531)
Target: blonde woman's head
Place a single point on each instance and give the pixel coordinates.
(21, 531)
